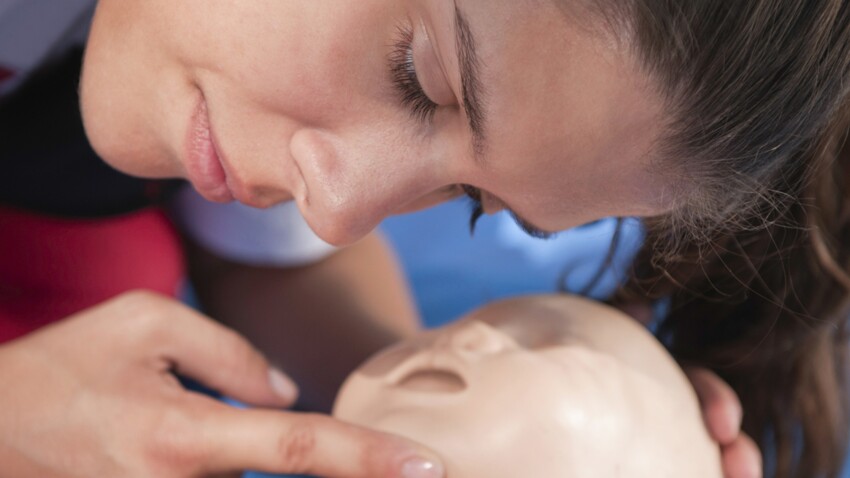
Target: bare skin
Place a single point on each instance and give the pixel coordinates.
(115, 409)
(287, 313)
(268, 101)
(272, 101)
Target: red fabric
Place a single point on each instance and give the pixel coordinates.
(51, 268)
(5, 74)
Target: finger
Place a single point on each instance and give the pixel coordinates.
(216, 356)
(282, 442)
(742, 459)
(721, 408)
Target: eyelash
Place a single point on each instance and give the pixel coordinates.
(475, 205)
(423, 109)
(406, 81)
(477, 211)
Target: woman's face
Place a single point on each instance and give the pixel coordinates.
(360, 110)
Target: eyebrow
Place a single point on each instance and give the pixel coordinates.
(471, 88)
(473, 103)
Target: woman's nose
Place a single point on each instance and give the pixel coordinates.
(479, 338)
(351, 184)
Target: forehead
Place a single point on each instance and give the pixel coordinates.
(581, 334)
(563, 321)
(570, 113)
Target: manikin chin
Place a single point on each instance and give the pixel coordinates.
(538, 387)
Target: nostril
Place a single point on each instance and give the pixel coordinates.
(337, 229)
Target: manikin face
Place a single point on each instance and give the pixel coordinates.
(543, 387)
(359, 110)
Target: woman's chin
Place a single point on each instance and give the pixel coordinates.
(137, 163)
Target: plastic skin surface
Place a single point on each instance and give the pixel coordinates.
(542, 387)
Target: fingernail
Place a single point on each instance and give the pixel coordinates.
(282, 385)
(422, 468)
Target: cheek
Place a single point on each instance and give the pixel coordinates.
(314, 61)
(122, 90)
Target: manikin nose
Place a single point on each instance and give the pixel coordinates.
(479, 338)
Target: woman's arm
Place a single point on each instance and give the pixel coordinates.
(318, 321)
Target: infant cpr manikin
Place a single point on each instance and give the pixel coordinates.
(538, 387)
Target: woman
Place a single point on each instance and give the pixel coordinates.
(561, 112)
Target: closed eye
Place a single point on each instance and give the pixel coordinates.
(406, 80)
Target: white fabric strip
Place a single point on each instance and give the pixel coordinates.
(277, 236)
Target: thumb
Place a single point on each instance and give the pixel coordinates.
(721, 408)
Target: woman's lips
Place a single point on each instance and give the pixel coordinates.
(203, 164)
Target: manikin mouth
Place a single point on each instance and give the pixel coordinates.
(433, 381)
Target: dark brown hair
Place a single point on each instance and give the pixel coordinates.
(755, 260)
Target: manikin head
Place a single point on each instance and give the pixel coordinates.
(543, 387)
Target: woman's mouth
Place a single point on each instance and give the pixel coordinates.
(203, 163)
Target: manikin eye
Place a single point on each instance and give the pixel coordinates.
(389, 360)
(433, 381)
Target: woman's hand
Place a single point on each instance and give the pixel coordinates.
(722, 412)
(95, 395)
